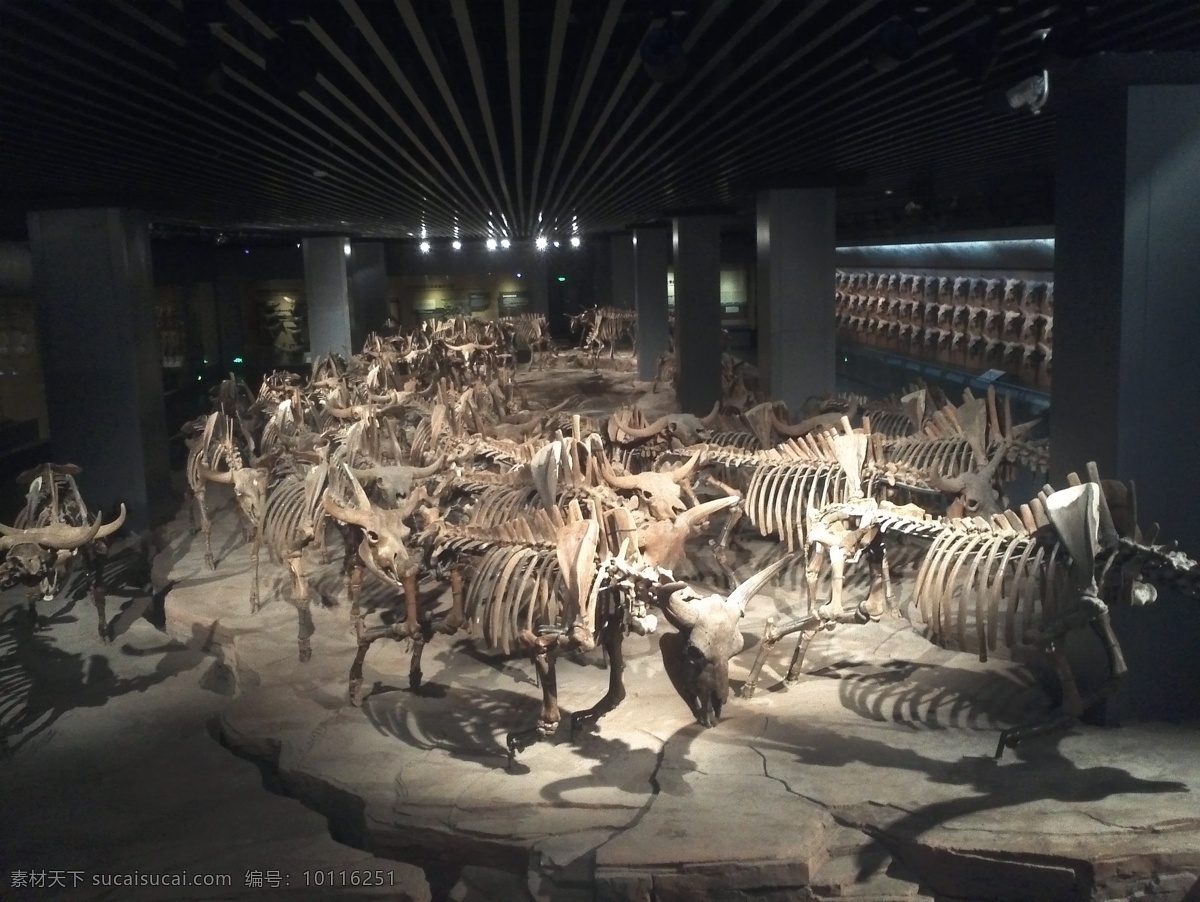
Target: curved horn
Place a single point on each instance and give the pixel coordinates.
(606, 471)
(62, 537)
(346, 514)
(225, 477)
(682, 614)
(696, 516)
(742, 594)
(647, 431)
(951, 484)
(431, 470)
(804, 427)
(360, 495)
(988, 470)
(713, 418)
(108, 529)
(684, 470)
(363, 473)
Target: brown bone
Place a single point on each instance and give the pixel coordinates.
(60, 536)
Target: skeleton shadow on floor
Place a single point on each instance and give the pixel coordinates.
(922, 697)
(466, 722)
(40, 681)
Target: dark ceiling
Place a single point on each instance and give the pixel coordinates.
(517, 117)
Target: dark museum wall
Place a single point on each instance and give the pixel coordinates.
(1128, 372)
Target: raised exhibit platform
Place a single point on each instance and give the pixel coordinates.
(871, 778)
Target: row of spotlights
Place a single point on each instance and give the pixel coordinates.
(541, 243)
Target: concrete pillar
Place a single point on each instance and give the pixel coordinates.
(540, 289)
(1126, 375)
(623, 271)
(368, 282)
(102, 361)
(652, 252)
(796, 269)
(697, 241)
(328, 294)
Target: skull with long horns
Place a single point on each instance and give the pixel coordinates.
(41, 552)
(697, 657)
(661, 492)
(383, 550)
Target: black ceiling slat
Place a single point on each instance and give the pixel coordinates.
(393, 68)
(745, 91)
(591, 177)
(357, 74)
(562, 10)
(80, 87)
(599, 46)
(466, 34)
(130, 90)
(512, 39)
(512, 116)
(434, 67)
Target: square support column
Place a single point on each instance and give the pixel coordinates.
(102, 359)
(697, 242)
(368, 285)
(540, 293)
(652, 253)
(328, 293)
(1126, 371)
(797, 266)
(624, 279)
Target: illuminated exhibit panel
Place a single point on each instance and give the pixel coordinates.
(978, 307)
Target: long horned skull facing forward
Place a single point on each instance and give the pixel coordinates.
(383, 549)
(661, 492)
(697, 657)
(42, 552)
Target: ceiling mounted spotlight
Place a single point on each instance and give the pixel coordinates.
(541, 242)
(505, 243)
(424, 247)
(575, 241)
(456, 244)
(491, 244)
(1032, 93)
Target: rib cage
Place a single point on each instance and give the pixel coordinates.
(293, 513)
(514, 588)
(890, 423)
(780, 494)
(498, 504)
(969, 583)
(945, 456)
